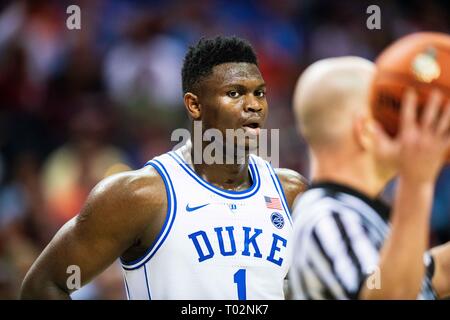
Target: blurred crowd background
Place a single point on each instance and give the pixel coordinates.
(79, 105)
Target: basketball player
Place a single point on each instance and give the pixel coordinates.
(347, 243)
(184, 230)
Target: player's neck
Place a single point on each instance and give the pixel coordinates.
(226, 176)
(357, 174)
(234, 176)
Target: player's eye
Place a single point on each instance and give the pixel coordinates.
(233, 94)
(260, 93)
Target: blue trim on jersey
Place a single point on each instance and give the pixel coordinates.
(146, 283)
(170, 218)
(281, 194)
(229, 194)
(284, 196)
(126, 287)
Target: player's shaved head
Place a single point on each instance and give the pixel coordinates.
(328, 96)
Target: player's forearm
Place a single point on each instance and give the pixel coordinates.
(401, 258)
(441, 277)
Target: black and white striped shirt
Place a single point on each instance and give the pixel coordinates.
(338, 234)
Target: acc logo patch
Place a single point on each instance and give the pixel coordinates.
(277, 220)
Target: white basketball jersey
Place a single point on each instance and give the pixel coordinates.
(215, 243)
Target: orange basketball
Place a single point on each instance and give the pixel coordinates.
(420, 60)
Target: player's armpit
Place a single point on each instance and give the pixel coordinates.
(116, 213)
(293, 184)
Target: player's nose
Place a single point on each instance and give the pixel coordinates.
(253, 104)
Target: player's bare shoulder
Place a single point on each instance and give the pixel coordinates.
(129, 202)
(293, 183)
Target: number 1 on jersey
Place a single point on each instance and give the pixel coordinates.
(239, 279)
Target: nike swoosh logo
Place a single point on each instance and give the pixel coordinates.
(190, 209)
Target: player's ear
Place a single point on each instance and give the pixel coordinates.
(362, 131)
(192, 105)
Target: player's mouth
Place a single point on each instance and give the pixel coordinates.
(252, 127)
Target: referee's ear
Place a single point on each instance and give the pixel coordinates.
(362, 130)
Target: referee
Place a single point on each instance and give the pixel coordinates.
(348, 244)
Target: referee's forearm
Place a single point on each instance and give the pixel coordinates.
(37, 288)
(401, 258)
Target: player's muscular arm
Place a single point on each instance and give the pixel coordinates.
(293, 184)
(114, 217)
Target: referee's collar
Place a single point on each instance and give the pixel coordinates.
(376, 203)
